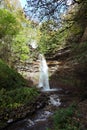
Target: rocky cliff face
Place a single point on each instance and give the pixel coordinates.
(84, 37)
(72, 72)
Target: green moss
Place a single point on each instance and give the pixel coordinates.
(9, 78)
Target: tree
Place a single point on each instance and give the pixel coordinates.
(20, 49)
(9, 27)
(47, 40)
(44, 10)
(10, 5)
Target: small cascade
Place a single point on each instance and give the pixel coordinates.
(43, 78)
(54, 100)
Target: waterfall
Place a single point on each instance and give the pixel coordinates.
(43, 77)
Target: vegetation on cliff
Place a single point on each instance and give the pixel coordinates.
(14, 95)
(9, 78)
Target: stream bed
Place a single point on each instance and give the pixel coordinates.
(41, 119)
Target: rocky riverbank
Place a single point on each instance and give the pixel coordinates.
(21, 112)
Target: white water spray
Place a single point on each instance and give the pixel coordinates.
(43, 78)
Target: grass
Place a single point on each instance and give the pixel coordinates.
(67, 119)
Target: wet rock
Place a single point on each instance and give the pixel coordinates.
(68, 92)
(30, 122)
(10, 121)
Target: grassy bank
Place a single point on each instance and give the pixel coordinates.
(67, 119)
(9, 78)
(15, 97)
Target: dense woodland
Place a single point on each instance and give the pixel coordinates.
(58, 30)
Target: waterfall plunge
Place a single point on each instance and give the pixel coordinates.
(43, 78)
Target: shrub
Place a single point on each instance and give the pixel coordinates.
(63, 119)
(18, 97)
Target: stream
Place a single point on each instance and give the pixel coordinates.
(41, 119)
